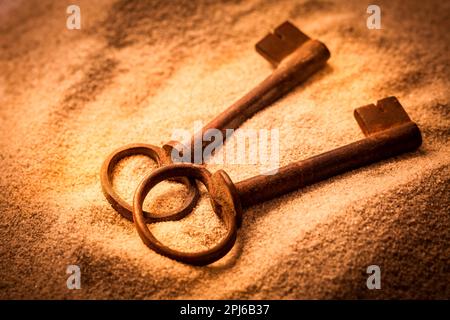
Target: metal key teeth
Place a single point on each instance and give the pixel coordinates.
(275, 46)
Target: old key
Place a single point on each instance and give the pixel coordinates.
(388, 129)
(295, 56)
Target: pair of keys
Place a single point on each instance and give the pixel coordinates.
(388, 129)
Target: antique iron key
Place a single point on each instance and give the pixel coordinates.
(389, 131)
(295, 56)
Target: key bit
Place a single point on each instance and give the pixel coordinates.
(387, 113)
(389, 132)
(276, 46)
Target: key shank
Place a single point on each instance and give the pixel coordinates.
(292, 71)
(302, 63)
(392, 142)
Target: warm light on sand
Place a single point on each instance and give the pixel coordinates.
(135, 72)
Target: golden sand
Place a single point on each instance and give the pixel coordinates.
(137, 70)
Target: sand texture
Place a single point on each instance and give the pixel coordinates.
(137, 70)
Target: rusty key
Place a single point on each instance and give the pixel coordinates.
(388, 129)
(295, 57)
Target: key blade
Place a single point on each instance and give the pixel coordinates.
(275, 46)
(387, 113)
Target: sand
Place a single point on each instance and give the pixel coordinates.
(137, 70)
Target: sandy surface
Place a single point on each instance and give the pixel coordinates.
(137, 70)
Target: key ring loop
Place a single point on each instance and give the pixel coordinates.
(160, 157)
(222, 200)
